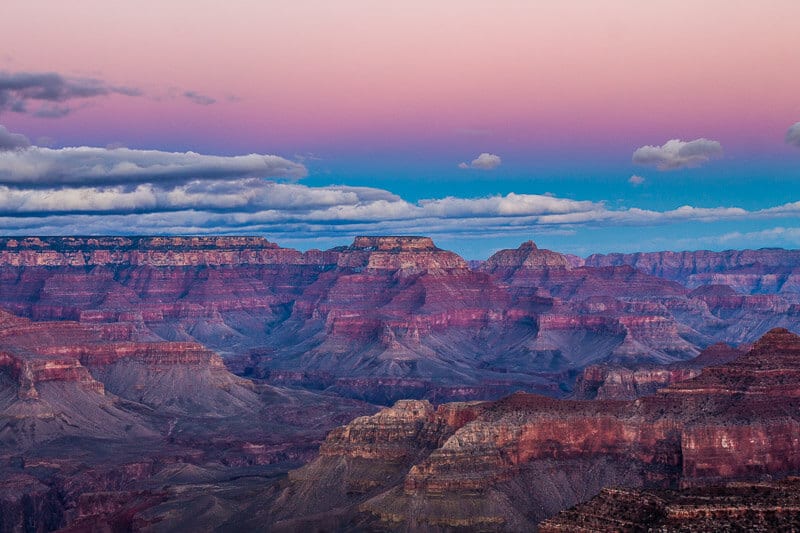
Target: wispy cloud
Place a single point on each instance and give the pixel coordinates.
(49, 94)
(485, 161)
(675, 154)
(636, 180)
(198, 98)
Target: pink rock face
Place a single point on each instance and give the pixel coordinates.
(527, 256)
(95, 416)
(383, 308)
(757, 267)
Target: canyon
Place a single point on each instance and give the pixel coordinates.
(508, 464)
(150, 383)
(389, 318)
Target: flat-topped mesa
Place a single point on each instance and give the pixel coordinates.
(748, 270)
(393, 243)
(135, 243)
(527, 256)
(151, 251)
(398, 253)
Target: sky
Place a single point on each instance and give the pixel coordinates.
(588, 127)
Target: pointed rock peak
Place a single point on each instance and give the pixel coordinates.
(528, 255)
(394, 244)
(778, 337)
(717, 354)
(714, 290)
(778, 348)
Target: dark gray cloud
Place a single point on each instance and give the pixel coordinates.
(12, 141)
(47, 94)
(793, 135)
(38, 167)
(198, 98)
(675, 154)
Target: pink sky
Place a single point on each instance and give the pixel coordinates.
(350, 69)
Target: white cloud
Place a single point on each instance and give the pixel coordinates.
(636, 180)
(96, 190)
(37, 166)
(484, 161)
(676, 154)
(246, 195)
(793, 134)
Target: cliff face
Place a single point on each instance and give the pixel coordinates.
(386, 317)
(523, 458)
(765, 506)
(764, 270)
(614, 382)
(92, 416)
(118, 405)
(152, 251)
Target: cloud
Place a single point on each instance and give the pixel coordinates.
(198, 98)
(245, 196)
(636, 180)
(51, 92)
(39, 167)
(252, 205)
(12, 141)
(793, 135)
(485, 161)
(121, 191)
(675, 154)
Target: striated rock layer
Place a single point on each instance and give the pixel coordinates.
(765, 506)
(508, 464)
(95, 416)
(757, 271)
(392, 317)
(613, 382)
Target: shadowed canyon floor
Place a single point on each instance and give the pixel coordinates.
(162, 383)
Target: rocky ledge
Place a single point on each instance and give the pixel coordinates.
(766, 506)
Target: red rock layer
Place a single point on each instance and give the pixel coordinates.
(383, 308)
(772, 506)
(612, 382)
(507, 465)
